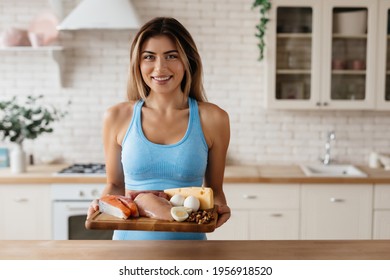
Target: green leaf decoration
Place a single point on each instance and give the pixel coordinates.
(28, 119)
(265, 6)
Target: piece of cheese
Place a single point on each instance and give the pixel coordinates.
(205, 195)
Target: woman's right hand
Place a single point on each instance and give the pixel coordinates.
(93, 207)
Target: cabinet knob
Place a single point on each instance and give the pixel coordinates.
(81, 194)
(333, 199)
(276, 215)
(21, 199)
(249, 196)
(318, 104)
(95, 193)
(325, 104)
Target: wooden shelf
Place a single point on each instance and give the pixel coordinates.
(343, 36)
(293, 71)
(32, 49)
(349, 72)
(295, 35)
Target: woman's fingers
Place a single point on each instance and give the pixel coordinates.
(93, 207)
(223, 215)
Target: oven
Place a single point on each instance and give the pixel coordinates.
(70, 204)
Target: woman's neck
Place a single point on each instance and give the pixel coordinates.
(163, 102)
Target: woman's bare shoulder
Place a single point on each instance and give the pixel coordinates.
(212, 113)
(215, 123)
(119, 111)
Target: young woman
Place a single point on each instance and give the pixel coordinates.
(166, 135)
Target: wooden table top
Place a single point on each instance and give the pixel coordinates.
(196, 250)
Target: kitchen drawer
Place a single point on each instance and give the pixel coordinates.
(382, 197)
(332, 211)
(274, 224)
(262, 196)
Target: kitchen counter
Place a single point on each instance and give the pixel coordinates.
(198, 250)
(45, 174)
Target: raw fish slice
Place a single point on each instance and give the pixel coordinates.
(129, 203)
(118, 206)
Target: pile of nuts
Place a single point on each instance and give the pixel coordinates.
(201, 217)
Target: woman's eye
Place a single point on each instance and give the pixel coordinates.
(171, 56)
(148, 57)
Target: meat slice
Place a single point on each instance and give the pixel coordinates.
(133, 194)
(152, 206)
(118, 206)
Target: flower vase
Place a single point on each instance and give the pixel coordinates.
(18, 159)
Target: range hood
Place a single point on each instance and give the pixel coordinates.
(101, 14)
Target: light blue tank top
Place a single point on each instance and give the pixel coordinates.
(151, 166)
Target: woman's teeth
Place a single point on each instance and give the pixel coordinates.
(161, 78)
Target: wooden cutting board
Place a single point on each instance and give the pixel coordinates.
(104, 221)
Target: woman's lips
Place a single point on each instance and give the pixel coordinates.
(161, 79)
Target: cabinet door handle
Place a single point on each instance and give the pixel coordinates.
(318, 104)
(276, 215)
(21, 199)
(333, 199)
(74, 208)
(325, 104)
(249, 196)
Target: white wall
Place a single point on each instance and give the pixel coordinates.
(95, 78)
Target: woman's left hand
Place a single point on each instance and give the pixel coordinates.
(223, 214)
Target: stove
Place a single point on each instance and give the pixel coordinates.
(94, 169)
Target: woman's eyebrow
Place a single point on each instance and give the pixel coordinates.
(167, 52)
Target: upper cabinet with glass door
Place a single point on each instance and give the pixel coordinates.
(321, 54)
(383, 88)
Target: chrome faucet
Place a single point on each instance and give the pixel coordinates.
(331, 137)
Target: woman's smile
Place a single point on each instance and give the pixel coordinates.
(161, 79)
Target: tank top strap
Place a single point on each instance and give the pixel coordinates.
(194, 111)
(134, 118)
(195, 120)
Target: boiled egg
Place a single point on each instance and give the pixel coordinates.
(177, 200)
(192, 202)
(179, 213)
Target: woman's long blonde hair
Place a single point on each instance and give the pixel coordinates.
(192, 84)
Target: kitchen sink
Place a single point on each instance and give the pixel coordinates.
(332, 170)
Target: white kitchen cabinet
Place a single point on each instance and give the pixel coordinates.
(383, 56)
(317, 60)
(261, 211)
(381, 212)
(336, 211)
(25, 212)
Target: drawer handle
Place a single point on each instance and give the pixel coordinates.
(21, 199)
(277, 215)
(249, 196)
(333, 199)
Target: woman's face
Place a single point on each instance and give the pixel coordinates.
(161, 67)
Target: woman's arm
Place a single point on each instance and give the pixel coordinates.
(114, 126)
(216, 127)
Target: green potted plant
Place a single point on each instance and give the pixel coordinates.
(28, 120)
(265, 6)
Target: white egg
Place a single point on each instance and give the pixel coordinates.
(177, 200)
(179, 213)
(192, 202)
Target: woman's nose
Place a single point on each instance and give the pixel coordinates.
(161, 63)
